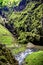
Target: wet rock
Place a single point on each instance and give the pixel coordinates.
(30, 45)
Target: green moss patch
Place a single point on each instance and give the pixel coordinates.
(35, 58)
(5, 36)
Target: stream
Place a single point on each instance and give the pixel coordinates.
(22, 55)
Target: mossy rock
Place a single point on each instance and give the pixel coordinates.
(6, 57)
(35, 58)
(5, 36)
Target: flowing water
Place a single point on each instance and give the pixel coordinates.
(21, 56)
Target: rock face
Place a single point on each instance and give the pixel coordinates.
(6, 57)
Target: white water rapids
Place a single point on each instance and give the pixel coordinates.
(21, 56)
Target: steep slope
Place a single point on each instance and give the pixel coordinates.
(26, 25)
(6, 57)
(28, 22)
(5, 36)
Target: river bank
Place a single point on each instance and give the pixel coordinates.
(29, 48)
(18, 48)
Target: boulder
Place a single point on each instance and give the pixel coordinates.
(30, 45)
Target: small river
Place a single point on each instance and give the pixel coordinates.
(22, 55)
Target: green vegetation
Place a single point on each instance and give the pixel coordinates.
(6, 57)
(10, 3)
(18, 28)
(35, 58)
(5, 36)
(18, 50)
(27, 23)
